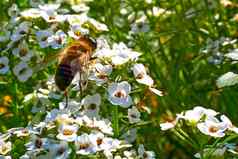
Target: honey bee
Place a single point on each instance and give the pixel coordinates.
(72, 60)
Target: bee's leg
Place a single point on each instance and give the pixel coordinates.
(66, 98)
(80, 86)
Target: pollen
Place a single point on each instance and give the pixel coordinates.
(213, 129)
(67, 132)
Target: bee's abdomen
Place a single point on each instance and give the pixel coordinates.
(64, 76)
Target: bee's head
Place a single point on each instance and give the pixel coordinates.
(92, 41)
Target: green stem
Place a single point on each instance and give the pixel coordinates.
(115, 121)
(15, 98)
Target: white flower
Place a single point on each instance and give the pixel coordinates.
(36, 143)
(76, 31)
(102, 125)
(104, 53)
(133, 115)
(123, 54)
(13, 11)
(84, 145)
(63, 119)
(58, 40)
(232, 54)
(168, 125)
(97, 138)
(77, 19)
(49, 14)
(119, 94)
(73, 106)
(4, 68)
(230, 126)
(194, 115)
(141, 75)
(67, 132)
(101, 73)
(91, 105)
(23, 52)
(99, 26)
(145, 154)
(59, 151)
(42, 37)
(213, 127)
(22, 71)
(31, 13)
(5, 147)
(139, 27)
(80, 8)
(227, 79)
(20, 31)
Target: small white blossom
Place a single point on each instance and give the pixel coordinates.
(230, 126)
(100, 73)
(59, 151)
(31, 13)
(49, 14)
(84, 145)
(22, 71)
(194, 115)
(80, 8)
(42, 37)
(23, 52)
(36, 143)
(13, 11)
(77, 30)
(77, 19)
(212, 127)
(227, 79)
(123, 54)
(168, 125)
(20, 31)
(58, 40)
(141, 75)
(99, 26)
(133, 115)
(119, 94)
(67, 132)
(4, 68)
(91, 105)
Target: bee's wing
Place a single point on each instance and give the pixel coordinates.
(47, 61)
(81, 68)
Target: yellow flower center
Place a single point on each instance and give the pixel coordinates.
(67, 132)
(213, 129)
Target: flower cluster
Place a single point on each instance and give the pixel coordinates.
(75, 127)
(205, 120)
